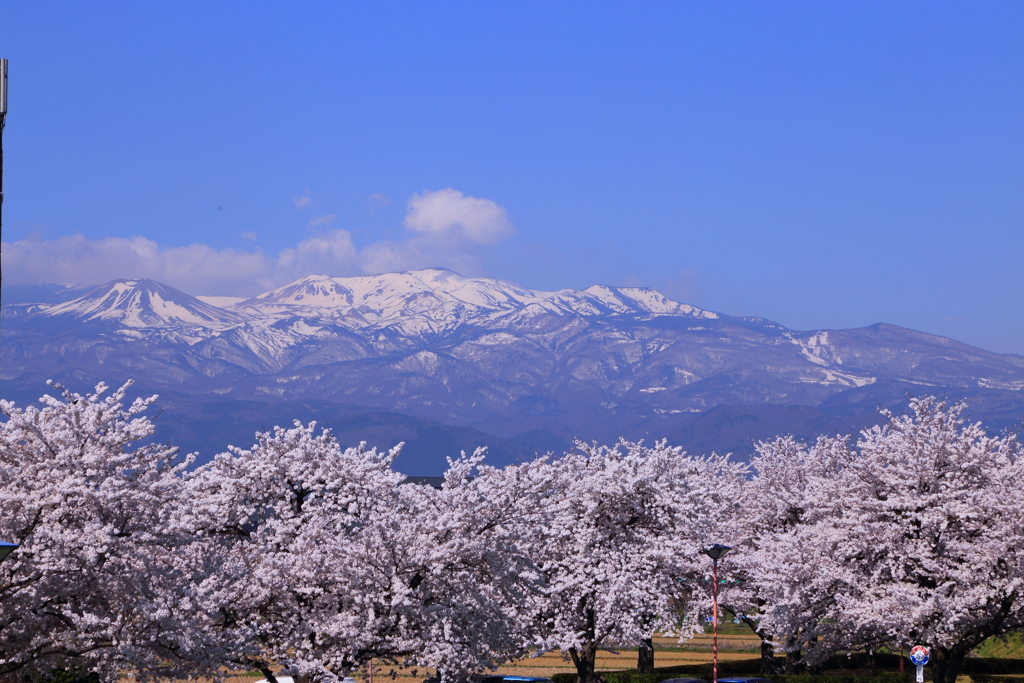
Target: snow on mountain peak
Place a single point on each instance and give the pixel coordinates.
(144, 303)
(631, 299)
(392, 309)
(440, 293)
(381, 292)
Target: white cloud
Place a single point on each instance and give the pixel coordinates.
(329, 254)
(247, 235)
(448, 211)
(451, 229)
(321, 221)
(74, 259)
(303, 202)
(376, 200)
(386, 257)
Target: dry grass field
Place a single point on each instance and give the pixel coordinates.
(733, 643)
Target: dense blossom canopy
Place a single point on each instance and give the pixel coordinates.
(91, 511)
(912, 535)
(301, 556)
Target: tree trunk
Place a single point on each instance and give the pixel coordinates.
(258, 665)
(645, 657)
(768, 665)
(585, 660)
(946, 664)
(267, 673)
(793, 664)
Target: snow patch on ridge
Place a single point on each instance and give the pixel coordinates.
(986, 383)
(817, 349)
(222, 301)
(829, 377)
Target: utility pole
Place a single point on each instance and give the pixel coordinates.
(3, 119)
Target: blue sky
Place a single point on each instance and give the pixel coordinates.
(825, 165)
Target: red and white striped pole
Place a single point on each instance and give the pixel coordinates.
(714, 628)
(715, 552)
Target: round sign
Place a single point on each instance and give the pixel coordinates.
(919, 655)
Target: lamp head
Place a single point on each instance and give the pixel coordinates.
(716, 551)
(6, 549)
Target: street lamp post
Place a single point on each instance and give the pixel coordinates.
(715, 552)
(3, 118)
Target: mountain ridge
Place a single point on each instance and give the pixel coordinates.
(489, 355)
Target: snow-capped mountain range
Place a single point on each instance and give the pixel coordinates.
(484, 353)
(404, 307)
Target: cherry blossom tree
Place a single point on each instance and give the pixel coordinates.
(778, 589)
(619, 546)
(915, 534)
(276, 527)
(482, 584)
(926, 532)
(319, 559)
(89, 505)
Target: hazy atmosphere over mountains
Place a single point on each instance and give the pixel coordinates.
(447, 362)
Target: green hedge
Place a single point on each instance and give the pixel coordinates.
(862, 660)
(880, 677)
(993, 665)
(886, 660)
(693, 672)
(737, 667)
(980, 669)
(67, 675)
(734, 667)
(619, 677)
